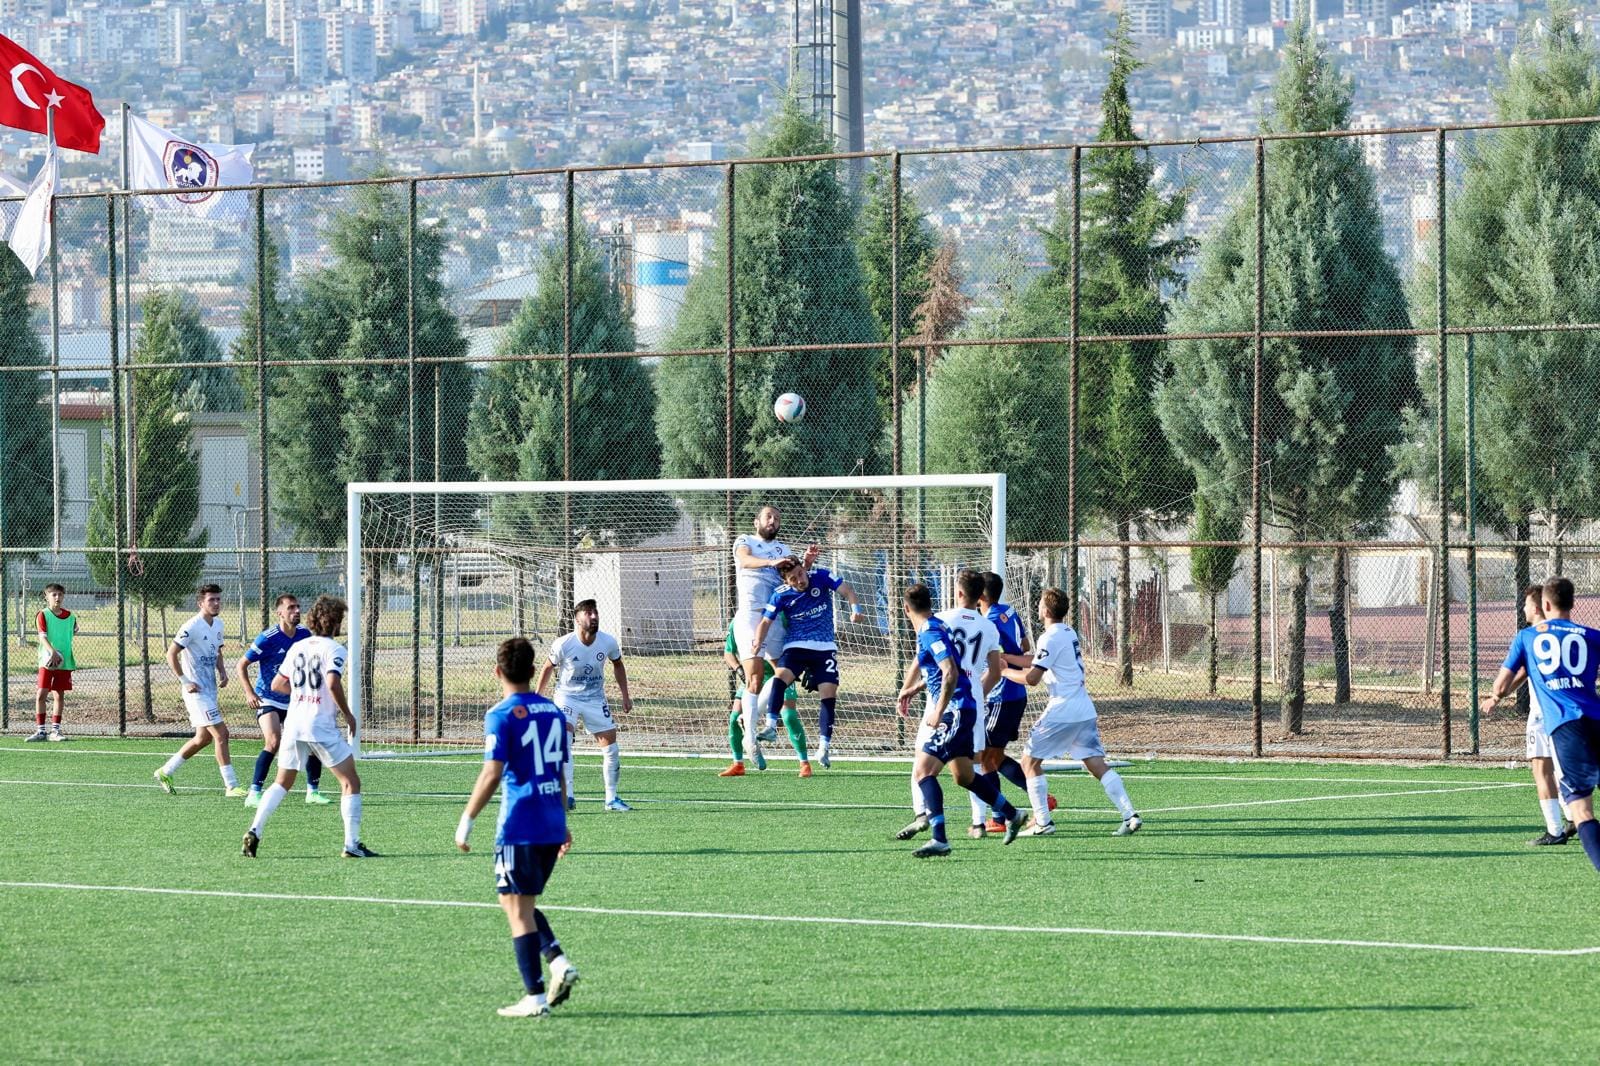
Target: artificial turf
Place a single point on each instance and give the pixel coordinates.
(1423, 857)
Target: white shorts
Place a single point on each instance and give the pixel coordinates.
(202, 710)
(1052, 738)
(744, 637)
(594, 717)
(294, 754)
(1540, 746)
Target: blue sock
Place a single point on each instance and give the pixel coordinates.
(987, 788)
(527, 949)
(313, 772)
(1589, 833)
(263, 764)
(775, 701)
(825, 719)
(933, 800)
(549, 947)
(1011, 770)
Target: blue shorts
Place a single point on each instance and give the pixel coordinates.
(956, 737)
(524, 869)
(1578, 754)
(816, 667)
(1004, 722)
(279, 709)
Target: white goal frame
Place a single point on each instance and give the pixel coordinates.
(354, 491)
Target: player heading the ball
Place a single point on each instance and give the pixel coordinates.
(810, 648)
(755, 567)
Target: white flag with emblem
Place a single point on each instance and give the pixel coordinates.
(30, 237)
(158, 159)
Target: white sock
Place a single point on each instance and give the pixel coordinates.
(980, 809)
(1552, 815)
(824, 743)
(566, 771)
(610, 769)
(171, 766)
(916, 798)
(269, 803)
(1039, 798)
(230, 778)
(752, 721)
(350, 807)
(1111, 781)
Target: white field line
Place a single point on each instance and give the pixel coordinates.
(779, 804)
(889, 923)
(586, 760)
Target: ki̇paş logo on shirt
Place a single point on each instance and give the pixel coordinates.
(190, 167)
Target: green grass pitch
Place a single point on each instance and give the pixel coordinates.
(1377, 913)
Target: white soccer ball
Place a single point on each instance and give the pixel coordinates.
(791, 407)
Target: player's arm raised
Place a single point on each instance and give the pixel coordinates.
(173, 650)
(849, 595)
(750, 561)
(621, 673)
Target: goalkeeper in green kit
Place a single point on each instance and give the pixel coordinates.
(791, 718)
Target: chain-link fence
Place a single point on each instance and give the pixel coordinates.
(1211, 371)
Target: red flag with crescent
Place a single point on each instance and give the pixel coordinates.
(28, 88)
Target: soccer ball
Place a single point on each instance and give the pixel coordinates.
(791, 407)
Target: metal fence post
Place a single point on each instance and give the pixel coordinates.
(116, 469)
(262, 522)
(1257, 345)
(896, 541)
(438, 557)
(1442, 406)
(1073, 345)
(411, 459)
(1469, 434)
(568, 581)
(729, 186)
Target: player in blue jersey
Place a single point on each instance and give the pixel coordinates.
(525, 744)
(810, 649)
(1008, 700)
(1562, 658)
(268, 649)
(956, 723)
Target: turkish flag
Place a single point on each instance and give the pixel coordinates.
(28, 87)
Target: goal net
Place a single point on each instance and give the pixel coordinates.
(440, 573)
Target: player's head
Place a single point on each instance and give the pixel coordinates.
(288, 611)
(1533, 603)
(1559, 596)
(54, 594)
(767, 522)
(326, 616)
(918, 602)
(209, 600)
(793, 574)
(993, 586)
(1052, 606)
(586, 617)
(969, 588)
(513, 662)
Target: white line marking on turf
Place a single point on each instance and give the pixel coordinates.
(889, 923)
(587, 760)
(1315, 799)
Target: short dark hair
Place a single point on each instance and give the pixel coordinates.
(56, 587)
(919, 599)
(205, 590)
(586, 605)
(970, 582)
(284, 596)
(326, 616)
(514, 657)
(993, 586)
(1559, 591)
(1054, 602)
(787, 566)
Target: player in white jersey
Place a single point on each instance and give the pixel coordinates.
(977, 648)
(195, 658)
(312, 676)
(1069, 724)
(581, 657)
(755, 560)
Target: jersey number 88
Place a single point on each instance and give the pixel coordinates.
(307, 672)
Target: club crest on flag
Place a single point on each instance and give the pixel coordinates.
(190, 167)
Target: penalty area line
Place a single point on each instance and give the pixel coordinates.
(797, 919)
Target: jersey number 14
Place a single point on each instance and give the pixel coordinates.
(548, 752)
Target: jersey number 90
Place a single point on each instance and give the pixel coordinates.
(1570, 651)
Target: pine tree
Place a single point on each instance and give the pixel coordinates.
(1331, 406)
(797, 280)
(1211, 568)
(1130, 260)
(24, 418)
(918, 247)
(331, 425)
(165, 510)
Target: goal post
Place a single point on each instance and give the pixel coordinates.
(496, 559)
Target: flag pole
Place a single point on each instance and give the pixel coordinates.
(55, 359)
(127, 307)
